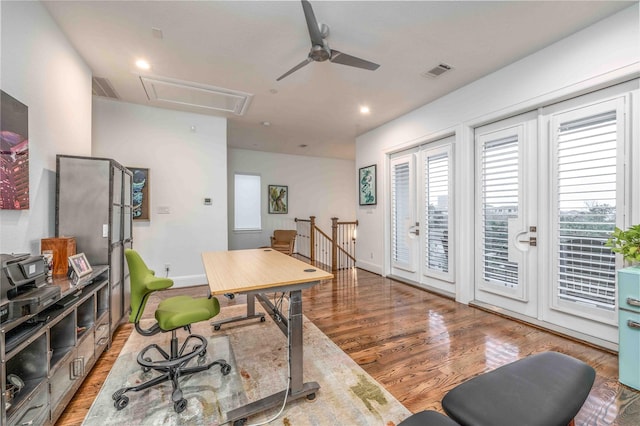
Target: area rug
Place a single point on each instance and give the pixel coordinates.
(257, 354)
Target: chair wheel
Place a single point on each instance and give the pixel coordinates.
(121, 402)
(216, 327)
(311, 396)
(225, 369)
(262, 319)
(180, 406)
(118, 393)
(239, 422)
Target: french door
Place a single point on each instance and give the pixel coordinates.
(550, 190)
(506, 214)
(422, 240)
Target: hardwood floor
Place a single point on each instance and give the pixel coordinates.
(418, 345)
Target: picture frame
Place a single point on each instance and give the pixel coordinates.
(79, 265)
(140, 193)
(367, 188)
(278, 199)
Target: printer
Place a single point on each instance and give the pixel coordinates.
(23, 286)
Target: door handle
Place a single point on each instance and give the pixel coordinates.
(415, 230)
(532, 241)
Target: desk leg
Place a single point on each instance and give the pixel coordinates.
(251, 313)
(297, 388)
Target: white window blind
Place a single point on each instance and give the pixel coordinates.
(400, 210)
(586, 152)
(500, 201)
(247, 202)
(436, 174)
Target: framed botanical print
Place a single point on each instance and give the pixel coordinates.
(278, 199)
(367, 185)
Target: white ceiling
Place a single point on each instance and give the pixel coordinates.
(245, 46)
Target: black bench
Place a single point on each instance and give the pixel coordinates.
(545, 389)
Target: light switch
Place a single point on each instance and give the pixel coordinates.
(105, 230)
(164, 210)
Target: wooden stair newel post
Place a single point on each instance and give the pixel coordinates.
(334, 245)
(312, 238)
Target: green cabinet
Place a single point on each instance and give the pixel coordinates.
(629, 326)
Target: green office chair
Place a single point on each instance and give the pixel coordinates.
(172, 314)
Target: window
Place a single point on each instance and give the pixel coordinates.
(247, 202)
(437, 186)
(586, 153)
(400, 210)
(500, 202)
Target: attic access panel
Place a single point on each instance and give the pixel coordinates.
(196, 95)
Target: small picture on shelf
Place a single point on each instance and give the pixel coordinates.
(79, 266)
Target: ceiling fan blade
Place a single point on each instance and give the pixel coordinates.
(294, 69)
(352, 61)
(312, 24)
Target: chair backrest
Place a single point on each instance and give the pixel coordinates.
(143, 282)
(284, 235)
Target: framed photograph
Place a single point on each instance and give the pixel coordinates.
(367, 185)
(140, 200)
(80, 265)
(14, 154)
(278, 199)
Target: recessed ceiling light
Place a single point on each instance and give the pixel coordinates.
(265, 123)
(142, 64)
(364, 109)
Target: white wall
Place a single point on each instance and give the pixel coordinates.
(43, 71)
(185, 166)
(322, 187)
(601, 54)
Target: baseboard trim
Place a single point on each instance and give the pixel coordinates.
(189, 280)
(424, 287)
(546, 326)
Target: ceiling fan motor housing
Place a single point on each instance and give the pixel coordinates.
(320, 53)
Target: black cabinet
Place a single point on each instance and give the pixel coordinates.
(93, 204)
(50, 351)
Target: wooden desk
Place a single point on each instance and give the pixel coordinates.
(254, 272)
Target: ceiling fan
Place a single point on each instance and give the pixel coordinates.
(320, 50)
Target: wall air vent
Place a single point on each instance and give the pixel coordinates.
(190, 94)
(437, 71)
(102, 87)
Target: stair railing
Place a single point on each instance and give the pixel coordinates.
(336, 251)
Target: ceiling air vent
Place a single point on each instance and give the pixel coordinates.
(102, 87)
(190, 94)
(437, 71)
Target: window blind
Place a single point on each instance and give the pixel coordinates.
(400, 211)
(500, 185)
(586, 152)
(436, 174)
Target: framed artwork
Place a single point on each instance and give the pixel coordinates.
(79, 265)
(367, 185)
(14, 154)
(278, 199)
(140, 195)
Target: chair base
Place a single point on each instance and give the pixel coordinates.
(173, 367)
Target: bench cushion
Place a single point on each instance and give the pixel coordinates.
(428, 418)
(545, 389)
